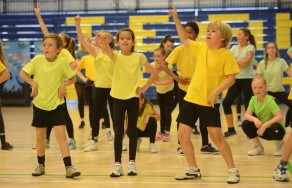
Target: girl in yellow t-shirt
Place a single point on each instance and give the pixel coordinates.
(68, 52)
(103, 75)
(4, 75)
(125, 91)
(147, 123)
(164, 88)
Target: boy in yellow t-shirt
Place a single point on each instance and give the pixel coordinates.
(48, 92)
(215, 71)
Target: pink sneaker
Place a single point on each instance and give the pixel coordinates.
(159, 136)
(166, 137)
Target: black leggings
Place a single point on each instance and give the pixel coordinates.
(2, 128)
(283, 98)
(150, 130)
(175, 94)
(234, 91)
(98, 108)
(165, 105)
(274, 132)
(69, 124)
(121, 108)
(80, 95)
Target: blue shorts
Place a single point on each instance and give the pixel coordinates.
(43, 118)
(190, 112)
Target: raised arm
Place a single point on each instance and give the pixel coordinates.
(89, 47)
(180, 30)
(44, 28)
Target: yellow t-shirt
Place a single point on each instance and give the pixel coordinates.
(2, 67)
(185, 62)
(104, 70)
(148, 110)
(67, 55)
(211, 70)
(162, 76)
(48, 76)
(87, 63)
(127, 75)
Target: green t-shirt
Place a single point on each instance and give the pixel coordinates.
(264, 111)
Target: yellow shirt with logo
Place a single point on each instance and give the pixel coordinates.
(211, 70)
(48, 76)
(127, 75)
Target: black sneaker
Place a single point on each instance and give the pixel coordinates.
(6, 146)
(208, 149)
(229, 133)
(82, 124)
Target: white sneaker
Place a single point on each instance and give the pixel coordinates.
(257, 150)
(40, 170)
(139, 140)
(234, 176)
(132, 171)
(280, 173)
(152, 148)
(117, 170)
(72, 172)
(189, 174)
(279, 149)
(92, 146)
(109, 135)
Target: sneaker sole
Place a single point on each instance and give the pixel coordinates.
(74, 175)
(211, 153)
(132, 174)
(189, 178)
(113, 175)
(233, 182)
(38, 174)
(90, 150)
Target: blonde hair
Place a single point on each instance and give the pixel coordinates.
(259, 77)
(225, 31)
(112, 43)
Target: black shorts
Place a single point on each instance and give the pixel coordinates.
(43, 118)
(190, 112)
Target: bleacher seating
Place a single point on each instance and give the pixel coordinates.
(150, 28)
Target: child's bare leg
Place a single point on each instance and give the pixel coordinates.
(62, 140)
(218, 139)
(40, 141)
(184, 136)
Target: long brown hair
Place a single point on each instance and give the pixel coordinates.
(266, 55)
(146, 101)
(251, 38)
(70, 44)
(3, 58)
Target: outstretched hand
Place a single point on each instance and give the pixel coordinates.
(37, 10)
(173, 11)
(77, 19)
